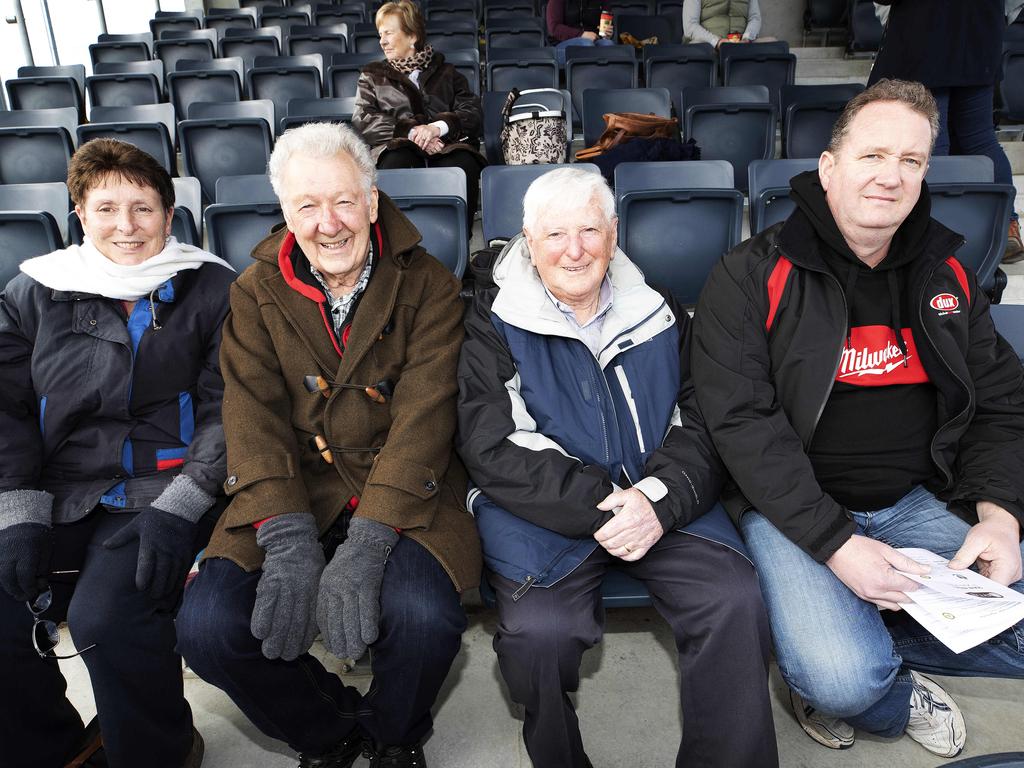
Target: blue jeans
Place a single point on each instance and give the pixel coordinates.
(966, 128)
(560, 48)
(835, 649)
(300, 702)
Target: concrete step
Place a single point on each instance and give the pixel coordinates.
(818, 52)
(849, 69)
(1015, 153)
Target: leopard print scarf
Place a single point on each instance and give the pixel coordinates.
(419, 60)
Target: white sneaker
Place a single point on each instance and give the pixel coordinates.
(936, 722)
(828, 731)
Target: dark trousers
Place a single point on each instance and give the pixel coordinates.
(965, 127)
(709, 596)
(301, 703)
(407, 157)
(134, 670)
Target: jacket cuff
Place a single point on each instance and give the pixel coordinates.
(657, 493)
(184, 498)
(25, 506)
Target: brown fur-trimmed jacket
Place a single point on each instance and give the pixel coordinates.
(388, 105)
(407, 327)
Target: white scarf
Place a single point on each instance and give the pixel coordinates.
(83, 269)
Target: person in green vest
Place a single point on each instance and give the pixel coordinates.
(718, 21)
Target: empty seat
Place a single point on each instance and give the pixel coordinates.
(395, 182)
(24, 234)
(451, 10)
(237, 20)
(343, 74)
(1009, 322)
(281, 83)
(599, 101)
(808, 114)
(521, 68)
(252, 188)
(677, 236)
(467, 63)
(139, 113)
(191, 86)
(612, 66)
(770, 202)
(501, 196)
(364, 38)
(318, 110)
(441, 222)
(737, 131)
(125, 88)
(233, 230)
(503, 9)
(133, 37)
(170, 51)
(50, 197)
(450, 35)
(693, 174)
(946, 169)
(679, 66)
(224, 146)
(515, 33)
(260, 42)
(748, 67)
(346, 13)
(36, 144)
(107, 52)
(324, 41)
(978, 211)
(171, 21)
(667, 30)
(75, 71)
(44, 93)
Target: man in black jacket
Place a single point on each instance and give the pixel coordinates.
(848, 369)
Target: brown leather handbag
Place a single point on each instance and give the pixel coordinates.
(625, 126)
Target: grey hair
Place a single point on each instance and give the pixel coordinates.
(555, 187)
(906, 92)
(321, 140)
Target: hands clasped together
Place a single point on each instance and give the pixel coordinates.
(635, 527)
(300, 594)
(427, 138)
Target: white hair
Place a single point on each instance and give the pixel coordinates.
(321, 140)
(557, 189)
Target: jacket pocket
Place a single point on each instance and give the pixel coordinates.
(414, 479)
(401, 493)
(257, 468)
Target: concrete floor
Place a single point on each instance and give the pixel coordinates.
(628, 706)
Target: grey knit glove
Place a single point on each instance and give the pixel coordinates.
(348, 609)
(283, 616)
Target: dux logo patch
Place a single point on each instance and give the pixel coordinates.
(945, 303)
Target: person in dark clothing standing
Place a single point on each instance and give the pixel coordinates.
(955, 48)
(852, 380)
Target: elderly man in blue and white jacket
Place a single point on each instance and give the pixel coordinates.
(579, 429)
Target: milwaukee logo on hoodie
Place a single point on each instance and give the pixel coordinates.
(873, 359)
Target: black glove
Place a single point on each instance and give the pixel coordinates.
(24, 559)
(166, 550)
(283, 616)
(348, 609)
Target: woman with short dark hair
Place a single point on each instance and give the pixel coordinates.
(111, 463)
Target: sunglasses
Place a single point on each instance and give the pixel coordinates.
(45, 634)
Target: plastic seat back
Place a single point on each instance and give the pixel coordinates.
(36, 144)
(677, 236)
(501, 196)
(279, 84)
(679, 66)
(956, 169)
(613, 66)
(769, 197)
(521, 68)
(189, 87)
(1009, 321)
(667, 29)
(233, 230)
(114, 52)
(322, 110)
(525, 32)
(251, 188)
(170, 51)
(44, 93)
(50, 197)
(599, 101)
(215, 147)
(343, 74)
(693, 174)
(324, 40)
(24, 234)
(124, 89)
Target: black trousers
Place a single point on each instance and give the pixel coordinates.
(134, 669)
(300, 702)
(407, 157)
(707, 593)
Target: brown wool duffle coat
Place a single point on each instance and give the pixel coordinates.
(407, 327)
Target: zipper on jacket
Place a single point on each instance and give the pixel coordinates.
(970, 395)
(523, 588)
(835, 369)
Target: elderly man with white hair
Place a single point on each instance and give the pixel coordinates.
(346, 515)
(578, 426)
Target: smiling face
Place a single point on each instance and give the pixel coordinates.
(394, 41)
(326, 208)
(127, 223)
(571, 247)
(874, 179)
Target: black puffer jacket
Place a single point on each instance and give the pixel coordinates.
(767, 345)
(73, 389)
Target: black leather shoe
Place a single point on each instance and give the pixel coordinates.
(410, 756)
(341, 755)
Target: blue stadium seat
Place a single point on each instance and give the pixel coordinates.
(114, 52)
(396, 182)
(24, 234)
(233, 230)
(51, 197)
(252, 188)
(825, 16)
(466, 61)
(677, 235)
(667, 29)
(523, 32)
(324, 40)
(44, 93)
(599, 101)
(192, 86)
(281, 83)
(346, 13)
(808, 114)
(160, 26)
(611, 66)
(36, 144)
(239, 19)
(343, 73)
(504, 9)
(170, 51)
(943, 169)
(521, 68)
(451, 10)
(247, 45)
(365, 39)
(139, 113)
(769, 190)
(452, 35)
(679, 66)
(980, 212)
(1009, 321)
(501, 195)
(225, 146)
(772, 70)
(134, 37)
(322, 110)
(125, 88)
(693, 174)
